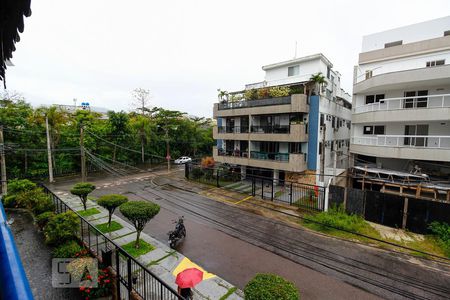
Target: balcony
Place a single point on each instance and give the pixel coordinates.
(293, 103)
(420, 108)
(281, 133)
(423, 147)
(293, 162)
(404, 79)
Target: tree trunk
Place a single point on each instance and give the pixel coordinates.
(84, 200)
(109, 219)
(142, 148)
(136, 245)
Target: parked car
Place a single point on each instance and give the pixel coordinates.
(183, 160)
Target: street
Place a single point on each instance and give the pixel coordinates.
(236, 245)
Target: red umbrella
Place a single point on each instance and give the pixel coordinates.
(189, 278)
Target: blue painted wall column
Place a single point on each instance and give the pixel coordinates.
(13, 281)
(314, 131)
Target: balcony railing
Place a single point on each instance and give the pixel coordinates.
(417, 102)
(235, 129)
(414, 141)
(255, 103)
(271, 129)
(269, 156)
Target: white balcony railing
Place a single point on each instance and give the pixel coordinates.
(418, 102)
(408, 141)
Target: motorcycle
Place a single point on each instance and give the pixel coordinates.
(179, 233)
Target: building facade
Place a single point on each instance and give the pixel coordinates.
(274, 127)
(401, 99)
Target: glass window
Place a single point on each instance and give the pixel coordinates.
(370, 99)
(378, 129)
(294, 70)
(392, 44)
(368, 130)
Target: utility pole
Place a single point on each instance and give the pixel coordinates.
(167, 149)
(83, 157)
(334, 165)
(49, 152)
(3, 162)
(322, 157)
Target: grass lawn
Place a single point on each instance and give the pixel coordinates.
(105, 229)
(89, 212)
(144, 247)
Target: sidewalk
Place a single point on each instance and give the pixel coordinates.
(163, 261)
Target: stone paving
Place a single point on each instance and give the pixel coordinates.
(163, 260)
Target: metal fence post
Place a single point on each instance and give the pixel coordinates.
(262, 189)
(271, 195)
(118, 272)
(290, 195)
(217, 178)
(130, 280)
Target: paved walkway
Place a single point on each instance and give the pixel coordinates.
(162, 261)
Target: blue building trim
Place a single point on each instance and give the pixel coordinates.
(13, 281)
(313, 134)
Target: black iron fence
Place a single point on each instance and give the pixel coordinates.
(271, 129)
(305, 196)
(132, 276)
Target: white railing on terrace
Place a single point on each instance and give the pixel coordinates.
(417, 102)
(408, 141)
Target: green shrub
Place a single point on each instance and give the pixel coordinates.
(61, 228)
(67, 250)
(270, 287)
(251, 94)
(139, 213)
(36, 200)
(82, 190)
(44, 218)
(43, 205)
(15, 188)
(296, 90)
(263, 93)
(442, 232)
(111, 202)
(337, 217)
(279, 91)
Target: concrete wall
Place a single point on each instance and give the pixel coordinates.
(409, 34)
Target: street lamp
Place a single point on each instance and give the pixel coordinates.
(166, 131)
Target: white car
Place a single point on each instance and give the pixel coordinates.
(183, 160)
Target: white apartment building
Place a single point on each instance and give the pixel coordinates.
(401, 99)
(279, 135)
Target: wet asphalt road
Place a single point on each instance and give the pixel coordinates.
(236, 245)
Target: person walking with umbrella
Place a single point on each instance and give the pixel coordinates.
(186, 280)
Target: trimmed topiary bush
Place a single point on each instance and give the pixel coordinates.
(82, 190)
(139, 213)
(61, 228)
(270, 287)
(67, 250)
(44, 218)
(111, 202)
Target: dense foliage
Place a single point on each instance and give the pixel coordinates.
(442, 232)
(139, 213)
(337, 217)
(111, 202)
(118, 137)
(61, 228)
(67, 250)
(270, 287)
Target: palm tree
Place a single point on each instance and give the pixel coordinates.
(317, 81)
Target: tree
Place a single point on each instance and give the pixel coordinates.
(139, 213)
(317, 80)
(82, 190)
(111, 202)
(118, 125)
(270, 287)
(141, 100)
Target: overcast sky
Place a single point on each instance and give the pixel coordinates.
(183, 51)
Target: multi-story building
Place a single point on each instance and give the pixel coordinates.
(273, 128)
(401, 99)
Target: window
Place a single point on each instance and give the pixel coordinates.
(411, 101)
(333, 122)
(368, 130)
(378, 129)
(295, 148)
(322, 120)
(368, 74)
(294, 70)
(328, 72)
(374, 98)
(435, 63)
(392, 44)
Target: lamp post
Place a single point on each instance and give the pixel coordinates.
(166, 135)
